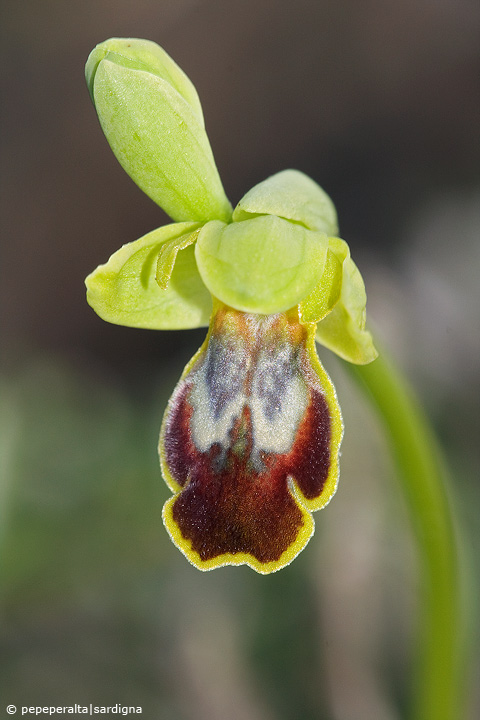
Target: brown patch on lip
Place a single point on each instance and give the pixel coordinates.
(236, 510)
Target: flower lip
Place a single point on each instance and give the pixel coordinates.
(250, 443)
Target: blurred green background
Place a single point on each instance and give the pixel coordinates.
(379, 102)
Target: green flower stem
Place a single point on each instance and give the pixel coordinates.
(437, 692)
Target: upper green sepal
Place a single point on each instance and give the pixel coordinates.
(125, 291)
(143, 55)
(343, 329)
(263, 265)
(151, 116)
(292, 195)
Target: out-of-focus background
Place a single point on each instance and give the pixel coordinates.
(378, 101)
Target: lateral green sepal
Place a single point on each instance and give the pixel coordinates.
(124, 291)
(263, 265)
(292, 195)
(343, 329)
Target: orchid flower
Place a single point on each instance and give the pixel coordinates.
(250, 440)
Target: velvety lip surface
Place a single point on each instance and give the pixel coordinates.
(247, 443)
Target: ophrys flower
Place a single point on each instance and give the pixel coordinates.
(251, 436)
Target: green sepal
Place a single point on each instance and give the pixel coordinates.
(155, 131)
(264, 265)
(326, 294)
(292, 195)
(343, 329)
(124, 291)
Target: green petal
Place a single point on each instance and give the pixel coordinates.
(168, 255)
(326, 294)
(263, 265)
(155, 128)
(124, 291)
(343, 330)
(292, 195)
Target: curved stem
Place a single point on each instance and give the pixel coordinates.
(441, 637)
